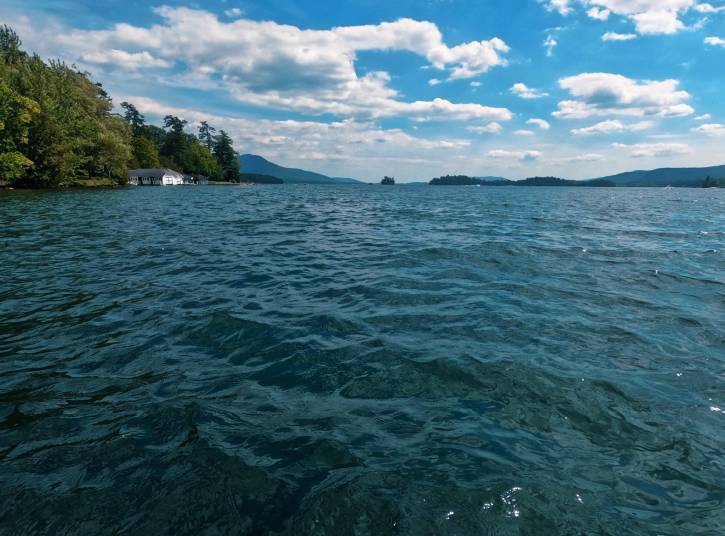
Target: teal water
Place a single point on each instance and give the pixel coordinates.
(362, 360)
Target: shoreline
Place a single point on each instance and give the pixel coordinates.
(84, 184)
(100, 184)
(247, 185)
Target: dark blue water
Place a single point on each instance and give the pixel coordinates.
(362, 360)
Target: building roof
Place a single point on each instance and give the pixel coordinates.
(156, 173)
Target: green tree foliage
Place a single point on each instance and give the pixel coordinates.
(200, 161)
(175, 142)
(66, 121)
(145, 153)
(145, 144)
(133, 117)
(171, 147)
(111, 152)
(58, 126)
(155, 134)
(16, 113)
(10, 45)
(226, 156)
(13, 165)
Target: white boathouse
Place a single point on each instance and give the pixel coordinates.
(155, 177)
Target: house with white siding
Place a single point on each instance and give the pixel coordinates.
(155, 177)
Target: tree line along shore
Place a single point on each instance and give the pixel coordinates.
(57, 128)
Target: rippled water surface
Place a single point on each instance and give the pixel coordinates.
(362, 360)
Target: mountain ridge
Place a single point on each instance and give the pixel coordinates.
(255, 164)
(659, 177)
(669, 176)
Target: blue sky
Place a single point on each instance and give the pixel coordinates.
(414, 88)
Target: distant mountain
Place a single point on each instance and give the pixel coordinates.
(667, 177)
(251, 163)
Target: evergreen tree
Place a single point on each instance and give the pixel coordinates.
(10, 51)
(156, 134)
(226, 156)
(206, 135)
(175, 142)
(133, 117)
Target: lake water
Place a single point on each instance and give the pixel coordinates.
(362, 360)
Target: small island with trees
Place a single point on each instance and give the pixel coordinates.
(388, 181)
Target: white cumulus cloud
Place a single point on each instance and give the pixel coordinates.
(712, 129)
(613, 36)
(522, 156)
(233, 12)
(708, 8)
(541, 123)
(648, 16)
(491, 128)
(126, 60)
(598, 13)
(612, 127)
(522, 90)
(649, 150)
(282, 66)
(588, 157)
(598, 94)
(562, 6)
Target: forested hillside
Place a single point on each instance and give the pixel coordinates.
(57, 127)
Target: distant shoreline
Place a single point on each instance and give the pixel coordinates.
(100, 185)
(448, 181)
